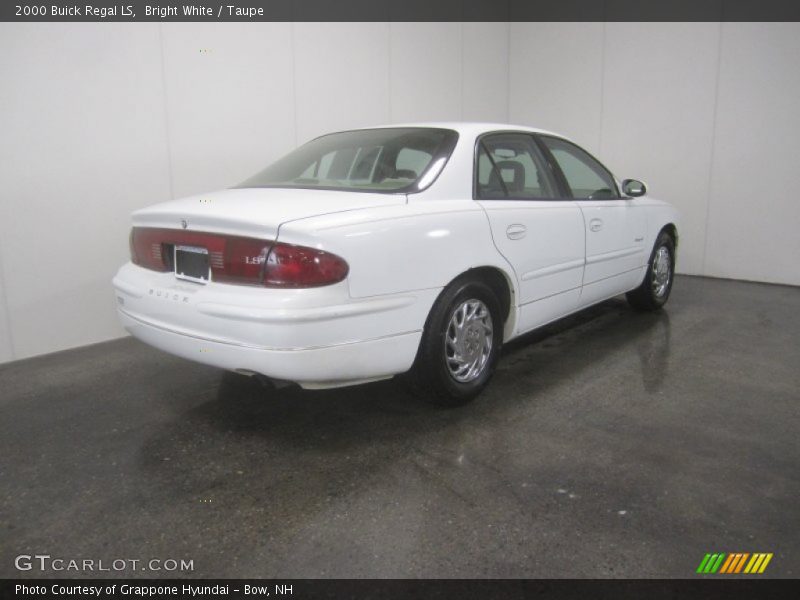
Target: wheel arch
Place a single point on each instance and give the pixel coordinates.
(501, 283)
(672, 230)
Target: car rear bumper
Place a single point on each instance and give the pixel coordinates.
(315, 337)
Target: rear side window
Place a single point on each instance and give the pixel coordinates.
(389, 160)
(586, 177)
(510, 166)
(411, 163)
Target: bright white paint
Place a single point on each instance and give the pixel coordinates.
(548, 260)
(616, 251)
(402, 251)
(698, 93)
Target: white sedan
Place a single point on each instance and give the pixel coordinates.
(369, 253)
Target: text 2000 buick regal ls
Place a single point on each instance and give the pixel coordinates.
(368, 253)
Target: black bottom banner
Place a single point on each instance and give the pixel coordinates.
(387, 589)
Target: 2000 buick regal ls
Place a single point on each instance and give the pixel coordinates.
(369, 253)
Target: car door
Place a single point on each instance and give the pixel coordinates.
(615, 225)
(540, 234)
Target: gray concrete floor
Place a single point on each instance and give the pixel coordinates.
(610, 444)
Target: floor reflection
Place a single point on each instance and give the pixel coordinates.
(653, 348)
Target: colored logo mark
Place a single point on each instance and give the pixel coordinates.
(735, 562)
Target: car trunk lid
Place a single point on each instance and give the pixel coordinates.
(255, 212)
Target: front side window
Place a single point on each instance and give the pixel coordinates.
(374, 160)
(510, 166)
(586, 177)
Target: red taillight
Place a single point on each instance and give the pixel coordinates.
(147, 249)
(240, 260)
(298, 267)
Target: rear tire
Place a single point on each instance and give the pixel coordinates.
(460, 344)
(656, 286)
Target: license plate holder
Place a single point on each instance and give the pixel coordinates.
(191, 264)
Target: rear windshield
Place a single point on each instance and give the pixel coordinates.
(374, 160)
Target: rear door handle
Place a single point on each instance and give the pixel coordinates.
(516, 231)
(596, 224)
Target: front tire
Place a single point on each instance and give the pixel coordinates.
(654, 291)
(460, 344)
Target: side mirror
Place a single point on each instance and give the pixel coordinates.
(634, 188)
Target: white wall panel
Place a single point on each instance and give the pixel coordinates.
(342, 76)
(425, 72)
(754, 214)
(485, 72)
(83, 143)
(230, 101)
(556, 78)
(6, 346)
(658, 117)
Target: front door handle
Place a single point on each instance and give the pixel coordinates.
(596, 224)
(516, 231)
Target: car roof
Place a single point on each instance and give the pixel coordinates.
(467, 127)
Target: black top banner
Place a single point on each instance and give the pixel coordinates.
(401, 10)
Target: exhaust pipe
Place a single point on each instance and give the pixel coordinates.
(266, 382)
